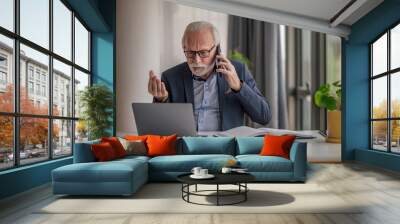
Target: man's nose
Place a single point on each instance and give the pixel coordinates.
(197, 58)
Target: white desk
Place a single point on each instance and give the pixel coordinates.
(319, 151)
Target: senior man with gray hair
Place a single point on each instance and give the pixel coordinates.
(221, 91)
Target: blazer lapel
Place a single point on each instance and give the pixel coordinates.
(221, 92)
(188, 84)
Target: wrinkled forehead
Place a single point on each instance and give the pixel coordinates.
(198, 40)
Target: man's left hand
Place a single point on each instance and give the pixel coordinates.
(225, 67)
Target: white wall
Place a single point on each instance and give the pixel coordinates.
(148, 37)
(175, 18)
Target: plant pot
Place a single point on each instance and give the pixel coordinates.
(334, 132)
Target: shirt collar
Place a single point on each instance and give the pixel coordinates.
(198, 78)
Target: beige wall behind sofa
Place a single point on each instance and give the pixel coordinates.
(149, 37)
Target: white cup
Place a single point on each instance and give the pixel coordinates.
(226, 170)
(203, 172)
(196, 171)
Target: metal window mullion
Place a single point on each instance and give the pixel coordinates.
(371, 89)
(16, 85)
(50, 81)
(73, 83)
(385, 119)
(389, 115)
(90, 53)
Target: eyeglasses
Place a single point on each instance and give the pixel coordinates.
(202, 53)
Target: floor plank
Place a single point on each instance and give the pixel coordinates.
(376, 189)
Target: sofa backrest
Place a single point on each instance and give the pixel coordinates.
(207, 145)
(191, 146)
(249, 145)
(83, 152)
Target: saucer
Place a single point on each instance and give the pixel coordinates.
(208, 176)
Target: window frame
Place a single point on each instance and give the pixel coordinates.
(16, 114)
(388, 74)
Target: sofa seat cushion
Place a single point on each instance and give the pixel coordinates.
(112, 171)
(257, 163)
(134, 157)
(185, 163)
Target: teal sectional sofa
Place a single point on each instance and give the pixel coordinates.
(125, 176)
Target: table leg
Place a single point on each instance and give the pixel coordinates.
(217, 194)
(245, 193)
(182, 190)
(188, 190)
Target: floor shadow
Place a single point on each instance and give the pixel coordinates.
(255, 198)
(148, 191)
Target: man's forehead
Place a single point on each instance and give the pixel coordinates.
(203, 39)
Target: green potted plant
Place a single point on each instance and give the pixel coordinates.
(96, 102)
(238, 56)
(328, 96)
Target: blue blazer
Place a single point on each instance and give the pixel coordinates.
(179, 84)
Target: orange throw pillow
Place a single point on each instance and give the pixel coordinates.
(103, 152)
(277, 145)
(161, 145)
(116, 145)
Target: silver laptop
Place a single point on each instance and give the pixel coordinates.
(164, 118)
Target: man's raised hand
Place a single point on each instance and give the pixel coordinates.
(156, 87)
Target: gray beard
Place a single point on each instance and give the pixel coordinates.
(206, 70)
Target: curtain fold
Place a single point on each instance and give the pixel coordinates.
(288, 65)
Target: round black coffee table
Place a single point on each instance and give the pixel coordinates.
(238, 179)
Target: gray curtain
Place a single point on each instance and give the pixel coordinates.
(287, 65)
(261, 43)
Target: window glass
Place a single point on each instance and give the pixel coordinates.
(62, 28)
(81, 45)
(379, 56)
(30, 58)
(395, 136)
(34, 145)
(81, 82)
(34, 21)
(379, 135)
(379, 100)
(62, 138)
(395, 47)
(7, 14)
(62, 91)
(6, 74)
(395, 95)
(6, 142)
(81, 131)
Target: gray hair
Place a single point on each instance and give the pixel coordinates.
(201, 25)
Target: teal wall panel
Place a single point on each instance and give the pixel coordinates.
(355, 78)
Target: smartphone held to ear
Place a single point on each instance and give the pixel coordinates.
(216, 59)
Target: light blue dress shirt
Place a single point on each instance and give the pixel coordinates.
(206, 105)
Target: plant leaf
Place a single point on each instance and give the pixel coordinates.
(330, 102)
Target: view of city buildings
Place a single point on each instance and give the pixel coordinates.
(34, 82)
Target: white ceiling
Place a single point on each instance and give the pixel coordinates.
(314, 15)
(320, 9)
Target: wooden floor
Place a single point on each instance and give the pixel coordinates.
(377, 188)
